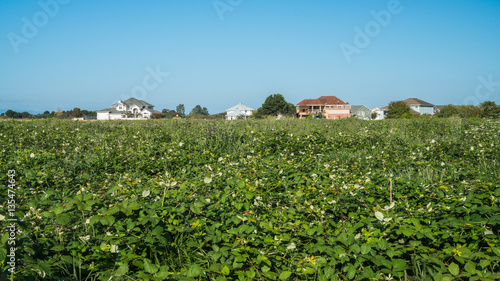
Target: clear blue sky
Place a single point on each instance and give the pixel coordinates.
(90, 54)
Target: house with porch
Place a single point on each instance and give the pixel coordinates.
(417, 106)
(128, 109)
(329, 107)
(239, 111)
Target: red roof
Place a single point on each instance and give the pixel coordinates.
(323, 100)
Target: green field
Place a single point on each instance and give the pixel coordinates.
(252, 200)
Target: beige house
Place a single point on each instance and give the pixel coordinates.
(329, 107)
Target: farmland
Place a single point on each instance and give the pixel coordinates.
(253, 200)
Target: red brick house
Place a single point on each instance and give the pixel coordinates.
(329, 107)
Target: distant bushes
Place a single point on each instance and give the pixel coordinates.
(487, 109)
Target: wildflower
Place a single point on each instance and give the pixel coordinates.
(114, 249)
(207, 180)
(207, 200)
(85, 238)
(291, 246)
(181, 144)
(145, 193)
(442, 164)
(471, 148)
(32, 155)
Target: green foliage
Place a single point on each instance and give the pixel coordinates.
(198, 110)
(409, 199)
(399, 109)
(490, 109)
(447, 111)
(275, 105)
(181, 109)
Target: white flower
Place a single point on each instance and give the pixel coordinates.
(87, 221)
(32, 155)
(207, 180)
(242, 218)
(312, 207)
(114, 249)
(2, 218)
(433, 141)
(471, 148)
(85, 238)
(381, 217)
(145, 193)
(181, 144)
(442, 164)
(291, 246)
(357, 236)
(207, 200)
(386, 208)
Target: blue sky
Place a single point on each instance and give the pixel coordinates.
(90, 54)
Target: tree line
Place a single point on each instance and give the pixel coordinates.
(487, 109)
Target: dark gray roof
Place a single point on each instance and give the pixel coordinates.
(109, 110)
(133, 101)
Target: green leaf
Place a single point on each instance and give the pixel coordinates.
(484, 263)
(63, 219)
(157, 230)
(365, 249)
(454, 269)
(265, 268)
(250, 273)
(351, 272)
(496, 250)
(122, 270)
(284, 275)
(470, 267)
(195, 209)
(225, 270)
(3, 254)
(194, 270)
(407, 231)
(150, 267)
(58, 248)
(163, 272)
(4, 239)
(447, 278)
(399, 264)
(58, 210)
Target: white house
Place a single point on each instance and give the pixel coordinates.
(129, 108)
(417, 107)
(239, 111)
(361, 112)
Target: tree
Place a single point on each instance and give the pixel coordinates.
(489, 109)
(374, 115)
(204, 111)
(10, 113)
(399, 109)
(180, 109)
(77, 112)
(275, 105)
(196, 110)
(447, 111)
